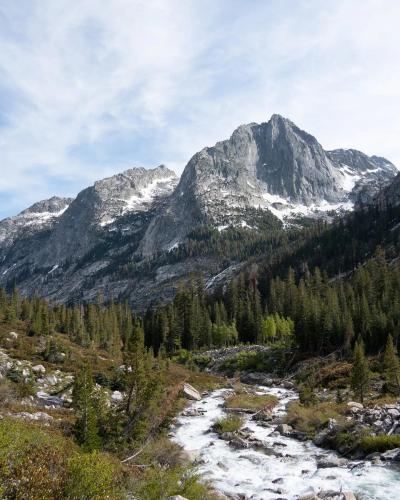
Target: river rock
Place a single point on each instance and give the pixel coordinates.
(348, 495)
(321, 438)
(227, 436)
(284, 429)
(256, 378)
(191, 393)
(331, 461)
(238, 443)
(177, 497)
(393, 455)
(193, 412)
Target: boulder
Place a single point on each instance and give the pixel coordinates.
(227, 436)
(353, 405)
(238, 443)
(116, 396)
(348, 495)
(218, 495)
(321, 438)
(38, 369)
(284, 429)
(191, 393)
(393, 455)
(177, 497)
(330, 461)
(13, 335)
(52, 379)
(193, 412)
(39, 415)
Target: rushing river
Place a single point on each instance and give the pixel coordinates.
(260, 476)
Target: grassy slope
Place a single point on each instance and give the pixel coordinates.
(67, 467)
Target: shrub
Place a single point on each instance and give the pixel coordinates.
(92, 476)
(7, 393)
(371, 444)
(158, 483)
(252, 401)
(202, 361)
(311, 419)
(230, 423)
(39, 463)
(307, 396)
(32, 462)
(25, 388)
(163, 452)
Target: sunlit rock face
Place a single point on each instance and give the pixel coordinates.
(265, 176)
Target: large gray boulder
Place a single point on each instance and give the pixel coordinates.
(330, 461)
(190, 392)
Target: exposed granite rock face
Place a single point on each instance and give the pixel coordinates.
(264, 174)
(38, 217)
(98, 206)
(258, 166)
(363, 175)
(274, 166)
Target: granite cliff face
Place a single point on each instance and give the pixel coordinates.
(265, 175)
(38, 217)
(274, 166)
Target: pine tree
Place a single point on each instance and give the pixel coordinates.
(360, 372)
(134, 359)
(83, 401)
(391, 365)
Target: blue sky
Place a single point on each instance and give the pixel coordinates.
(90, 88)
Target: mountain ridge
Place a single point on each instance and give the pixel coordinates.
(264, 177)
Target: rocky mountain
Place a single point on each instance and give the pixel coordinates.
(38, 217)
(362, 175)
(272, 166)
(96, 208)
(123, 235)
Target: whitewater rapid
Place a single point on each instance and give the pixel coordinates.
(259, 476)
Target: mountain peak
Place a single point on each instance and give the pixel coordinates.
(51, 205)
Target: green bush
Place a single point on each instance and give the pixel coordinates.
(158, 483)
(252, 401)
(371, 444)
(311, 419)
(25, 388)
(202, 361)
(230, 423)
(92, 476)
(38, 463)
(307, 396)
(32, 461)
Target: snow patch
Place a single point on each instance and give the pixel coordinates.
(33, 218)
(147, 194)
(56, 266)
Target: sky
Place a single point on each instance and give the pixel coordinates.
(90, 88)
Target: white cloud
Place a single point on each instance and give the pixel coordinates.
(82, 78)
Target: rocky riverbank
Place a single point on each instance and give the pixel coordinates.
(269, 459)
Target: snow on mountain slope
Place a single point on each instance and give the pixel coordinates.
(264, 176)
(40, 216)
